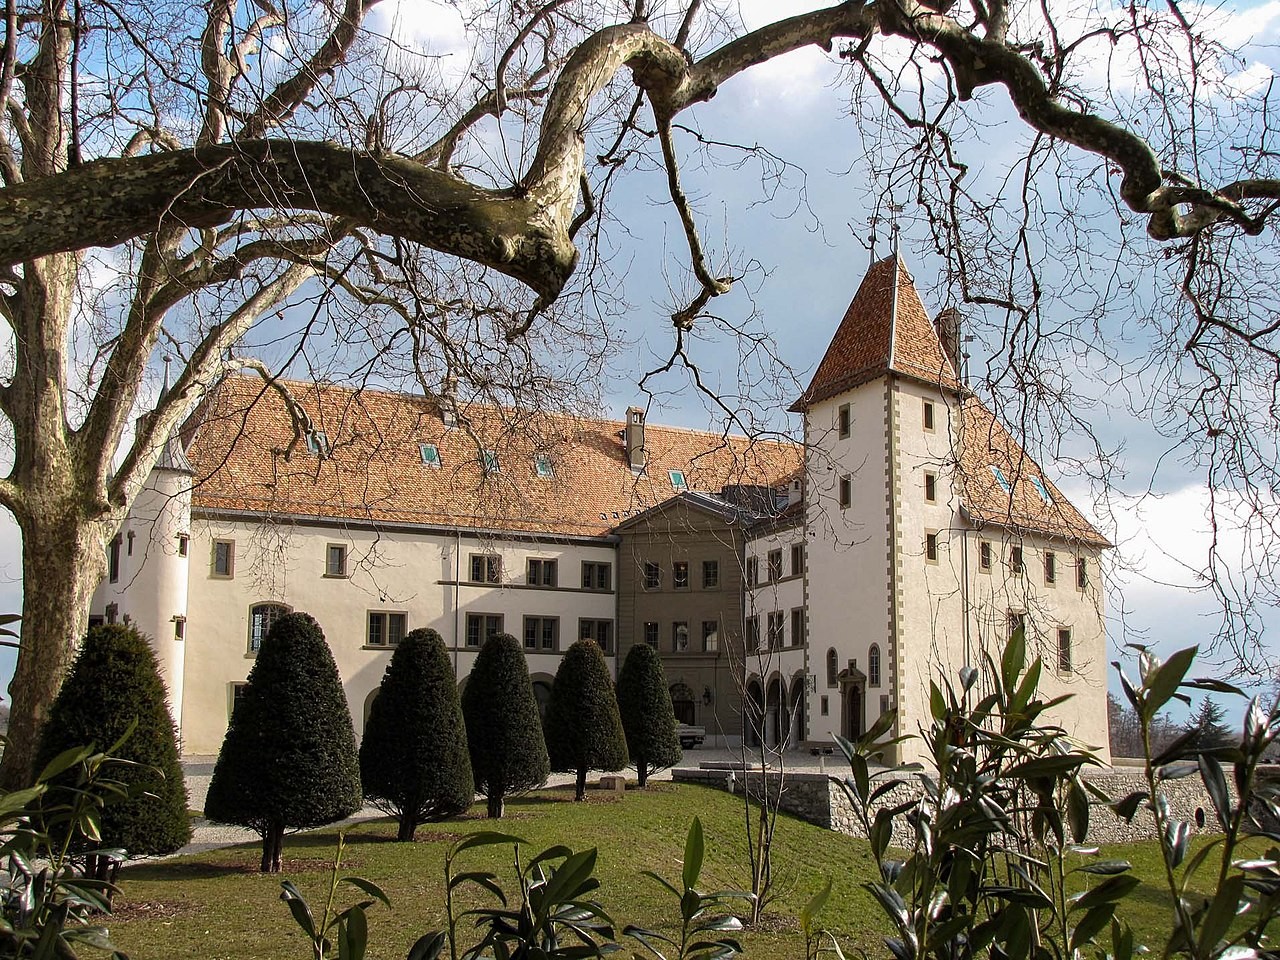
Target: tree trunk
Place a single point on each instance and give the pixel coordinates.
(62, 562)
(495, 806)
(408, 827)
(642, 773)
(272, 846)
(581, 792)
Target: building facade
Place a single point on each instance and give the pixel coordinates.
(793, 591)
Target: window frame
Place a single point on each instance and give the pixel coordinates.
(773, 562)
(282, 610)
(318, 444)
(650, 575)
(844, 494)
(710, 574)
(184, 545)
(230, 573)
(833, 668)
(1082, 573)
(483, 620)
(752, 573)
(1017, 562)
(489, 462)
(751, 626)
(384, 618)
(338, 571)
(434, 460)
(798, 553)
(1001, 479)
(1050, 568)
(542, 572)
(873, 665)
(113, 559)
(986, 556)
(799, 627)
(1065, 659)
(710, 638)
(679, 627)
(651, 633)
(543, 467)
(591, 579)
(590, 628)
(542, 643)
(680, 575)
(844, 421)
(1018, 618)
(930, 487)
(928, 418)
(679, 482)
(931, 546)
(490, 568)
(776, 630)
(179, 628)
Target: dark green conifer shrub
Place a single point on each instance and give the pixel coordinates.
(289, 757)
(584, 731)
(508, 754)
(648, 720)
(114, 683)
(414, 762)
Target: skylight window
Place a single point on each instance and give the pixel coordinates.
(542, 466)
(490, 461)
(678, 483)
(318, 443)
(1000, 479)
(430, 454)
(1041, 489)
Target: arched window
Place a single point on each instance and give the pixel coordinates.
(873, 666)
(542, 695)
(262, 617)
(833, 667)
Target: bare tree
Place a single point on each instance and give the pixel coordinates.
(223, 161)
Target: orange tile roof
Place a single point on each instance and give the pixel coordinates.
(985, 443)
(886, 329)
(375, 471)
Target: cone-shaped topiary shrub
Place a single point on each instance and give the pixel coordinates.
(414, 762)
(114, 682)
(508, 754)
(648, 720)
(584, 731)
(289, 757)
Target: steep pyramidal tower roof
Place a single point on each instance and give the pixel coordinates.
(886, 329)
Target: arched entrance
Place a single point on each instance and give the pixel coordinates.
(798, 710)
(775, 723)
(682, 703)
(853, 695)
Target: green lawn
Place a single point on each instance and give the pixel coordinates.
(215, 905)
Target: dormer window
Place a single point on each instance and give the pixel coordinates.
(542, 466)
(430, 455)
(490, 461)
(1041, 489)
(1000, 479)
(318, 443)
(678, 482)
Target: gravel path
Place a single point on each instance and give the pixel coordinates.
(210, 836)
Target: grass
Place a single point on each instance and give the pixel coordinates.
(215, 905)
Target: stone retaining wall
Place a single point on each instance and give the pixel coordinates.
(815, 798)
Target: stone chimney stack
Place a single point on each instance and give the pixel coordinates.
(633, 436)
(947, 324)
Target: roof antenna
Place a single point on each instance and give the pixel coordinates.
(894, 229)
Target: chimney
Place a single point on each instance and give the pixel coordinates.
(633, 436)
(448, 402)
(947, 325)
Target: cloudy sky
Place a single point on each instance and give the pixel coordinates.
(802, 221)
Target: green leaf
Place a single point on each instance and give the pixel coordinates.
(1162, 683)
(1222, 910)
(1111, 890)
(369, 887)
(693, 852)
(811, 909)
(1105, 868)
(64, 761)
(298, 907)
(353, 935)
(937, 702)
(1091, 924)
(1126, 808)
(428, 946)
(484, 838)
(1013, 659)
(1078, 813)
(1215, 783)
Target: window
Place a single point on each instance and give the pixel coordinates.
(541, 633)
(179, 628)
(113, 560)
(1000, 479)
(710, 636)
(238, 693)
(775, 629)
(710, 574)
(489, 461)
(128, 549)
(873, 666)
(335, 560)
(318, 443)
(775, 565)
(825, 705)
(651, 634)
(385, 629)
(601, 631)
(652, 575)
(1050, 567)
(597, 576)
(1015, 561)
(262, 618)
(680, 636)
(1082, 573)
(753, 571)
(680, 575)
(833, 667)
(542, 466)
(931, 547)
(112, 612)
(1064, 649)
(1041, 489)
(843, 420)
(931, 487)
(678, 483)
(1017, 621)
(984, 556)
(542, 573)
(797, 626)
(430, 455)
(928, 415)
(184, 544)
(96, 621)
(224, 559)
(482, 626)
(753, 633)
(797, 559)
(846, 492)
(486, 568)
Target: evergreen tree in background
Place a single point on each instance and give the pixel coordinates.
(1209, 727)
(289, 757)
(114, 682)
(414, 762)
(508, 754)
(584, 731)
(648, 720)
